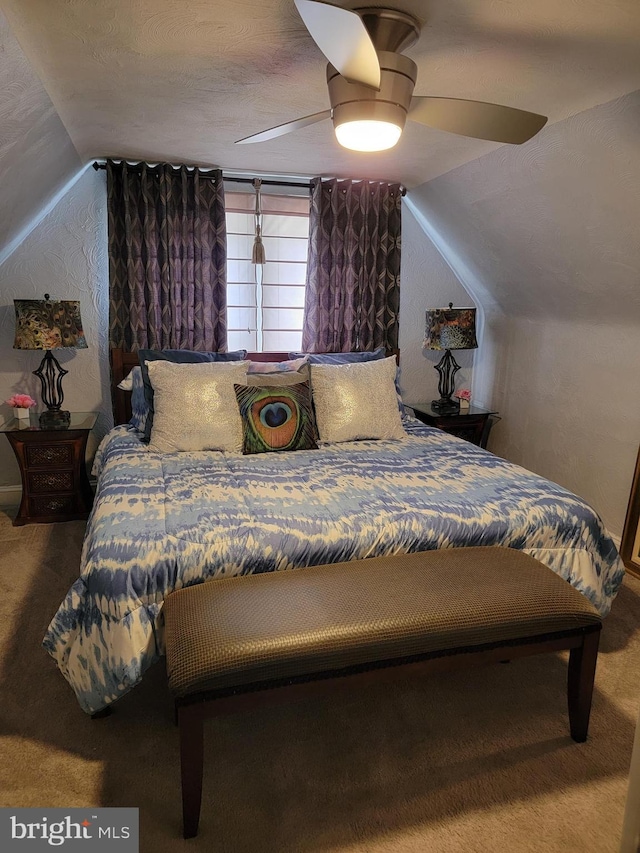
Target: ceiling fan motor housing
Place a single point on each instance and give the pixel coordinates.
(357, 102)
(389, 29)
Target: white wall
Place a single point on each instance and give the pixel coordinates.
(571, 407)
(548, 232)
(426, 281)
(65, 256)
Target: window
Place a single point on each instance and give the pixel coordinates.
(266, 315)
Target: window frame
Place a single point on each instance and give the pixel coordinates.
(276, 202)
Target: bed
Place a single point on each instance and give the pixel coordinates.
(162, 521)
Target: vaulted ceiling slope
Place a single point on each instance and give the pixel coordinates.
(549, 229)
(37, 157)
(175, 81)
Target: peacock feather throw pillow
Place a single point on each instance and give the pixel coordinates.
(277, 417)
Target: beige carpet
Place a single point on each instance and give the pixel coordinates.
(474, 761)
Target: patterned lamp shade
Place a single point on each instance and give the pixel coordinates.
(450, 328)
(46, 324)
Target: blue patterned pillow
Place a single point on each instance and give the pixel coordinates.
(261, 368)
(177, 356)
(133, 383)
(139, 408)
(277, 417)
(340, 357)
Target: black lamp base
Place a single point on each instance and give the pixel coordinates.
(55, 419)
(50, 374)
(447, 367)
(445, 406)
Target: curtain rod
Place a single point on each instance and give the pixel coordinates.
(241, 180)
(306, 184)
(238, 180)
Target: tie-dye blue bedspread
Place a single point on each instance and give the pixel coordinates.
(161, 522)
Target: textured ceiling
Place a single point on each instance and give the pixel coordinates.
(180, 80)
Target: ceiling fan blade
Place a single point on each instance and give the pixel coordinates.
(477, 118)
(343, 38)
(281, 129)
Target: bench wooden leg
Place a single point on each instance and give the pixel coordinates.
(105, 712)
(191, 766)
(582, 670)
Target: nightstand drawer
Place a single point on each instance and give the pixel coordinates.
(469, 431)
(50, 481)
(52, 505)
(49, 454)
(55, 485)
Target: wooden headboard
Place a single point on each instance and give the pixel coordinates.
(122, 363)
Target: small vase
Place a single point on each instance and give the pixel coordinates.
(21, 414)
(464, 404)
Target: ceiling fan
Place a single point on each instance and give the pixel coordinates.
(371, 85)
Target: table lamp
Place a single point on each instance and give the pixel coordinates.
(46, 324)
(447, 329)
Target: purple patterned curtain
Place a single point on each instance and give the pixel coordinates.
(352, 296)
(167, 258)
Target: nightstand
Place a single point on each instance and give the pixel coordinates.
(472, 424)
(55, 485)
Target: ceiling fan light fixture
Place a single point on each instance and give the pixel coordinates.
(369, 120)
(367, 135)
(371, 85)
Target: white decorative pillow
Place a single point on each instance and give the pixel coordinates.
(195, 406)
(357, 400)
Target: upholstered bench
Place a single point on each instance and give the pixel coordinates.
(236, 641)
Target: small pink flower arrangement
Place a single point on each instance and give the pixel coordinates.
(21, 401)
(463, 394)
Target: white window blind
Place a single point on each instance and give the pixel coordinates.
(266, 316)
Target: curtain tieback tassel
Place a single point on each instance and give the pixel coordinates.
(258, 255)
